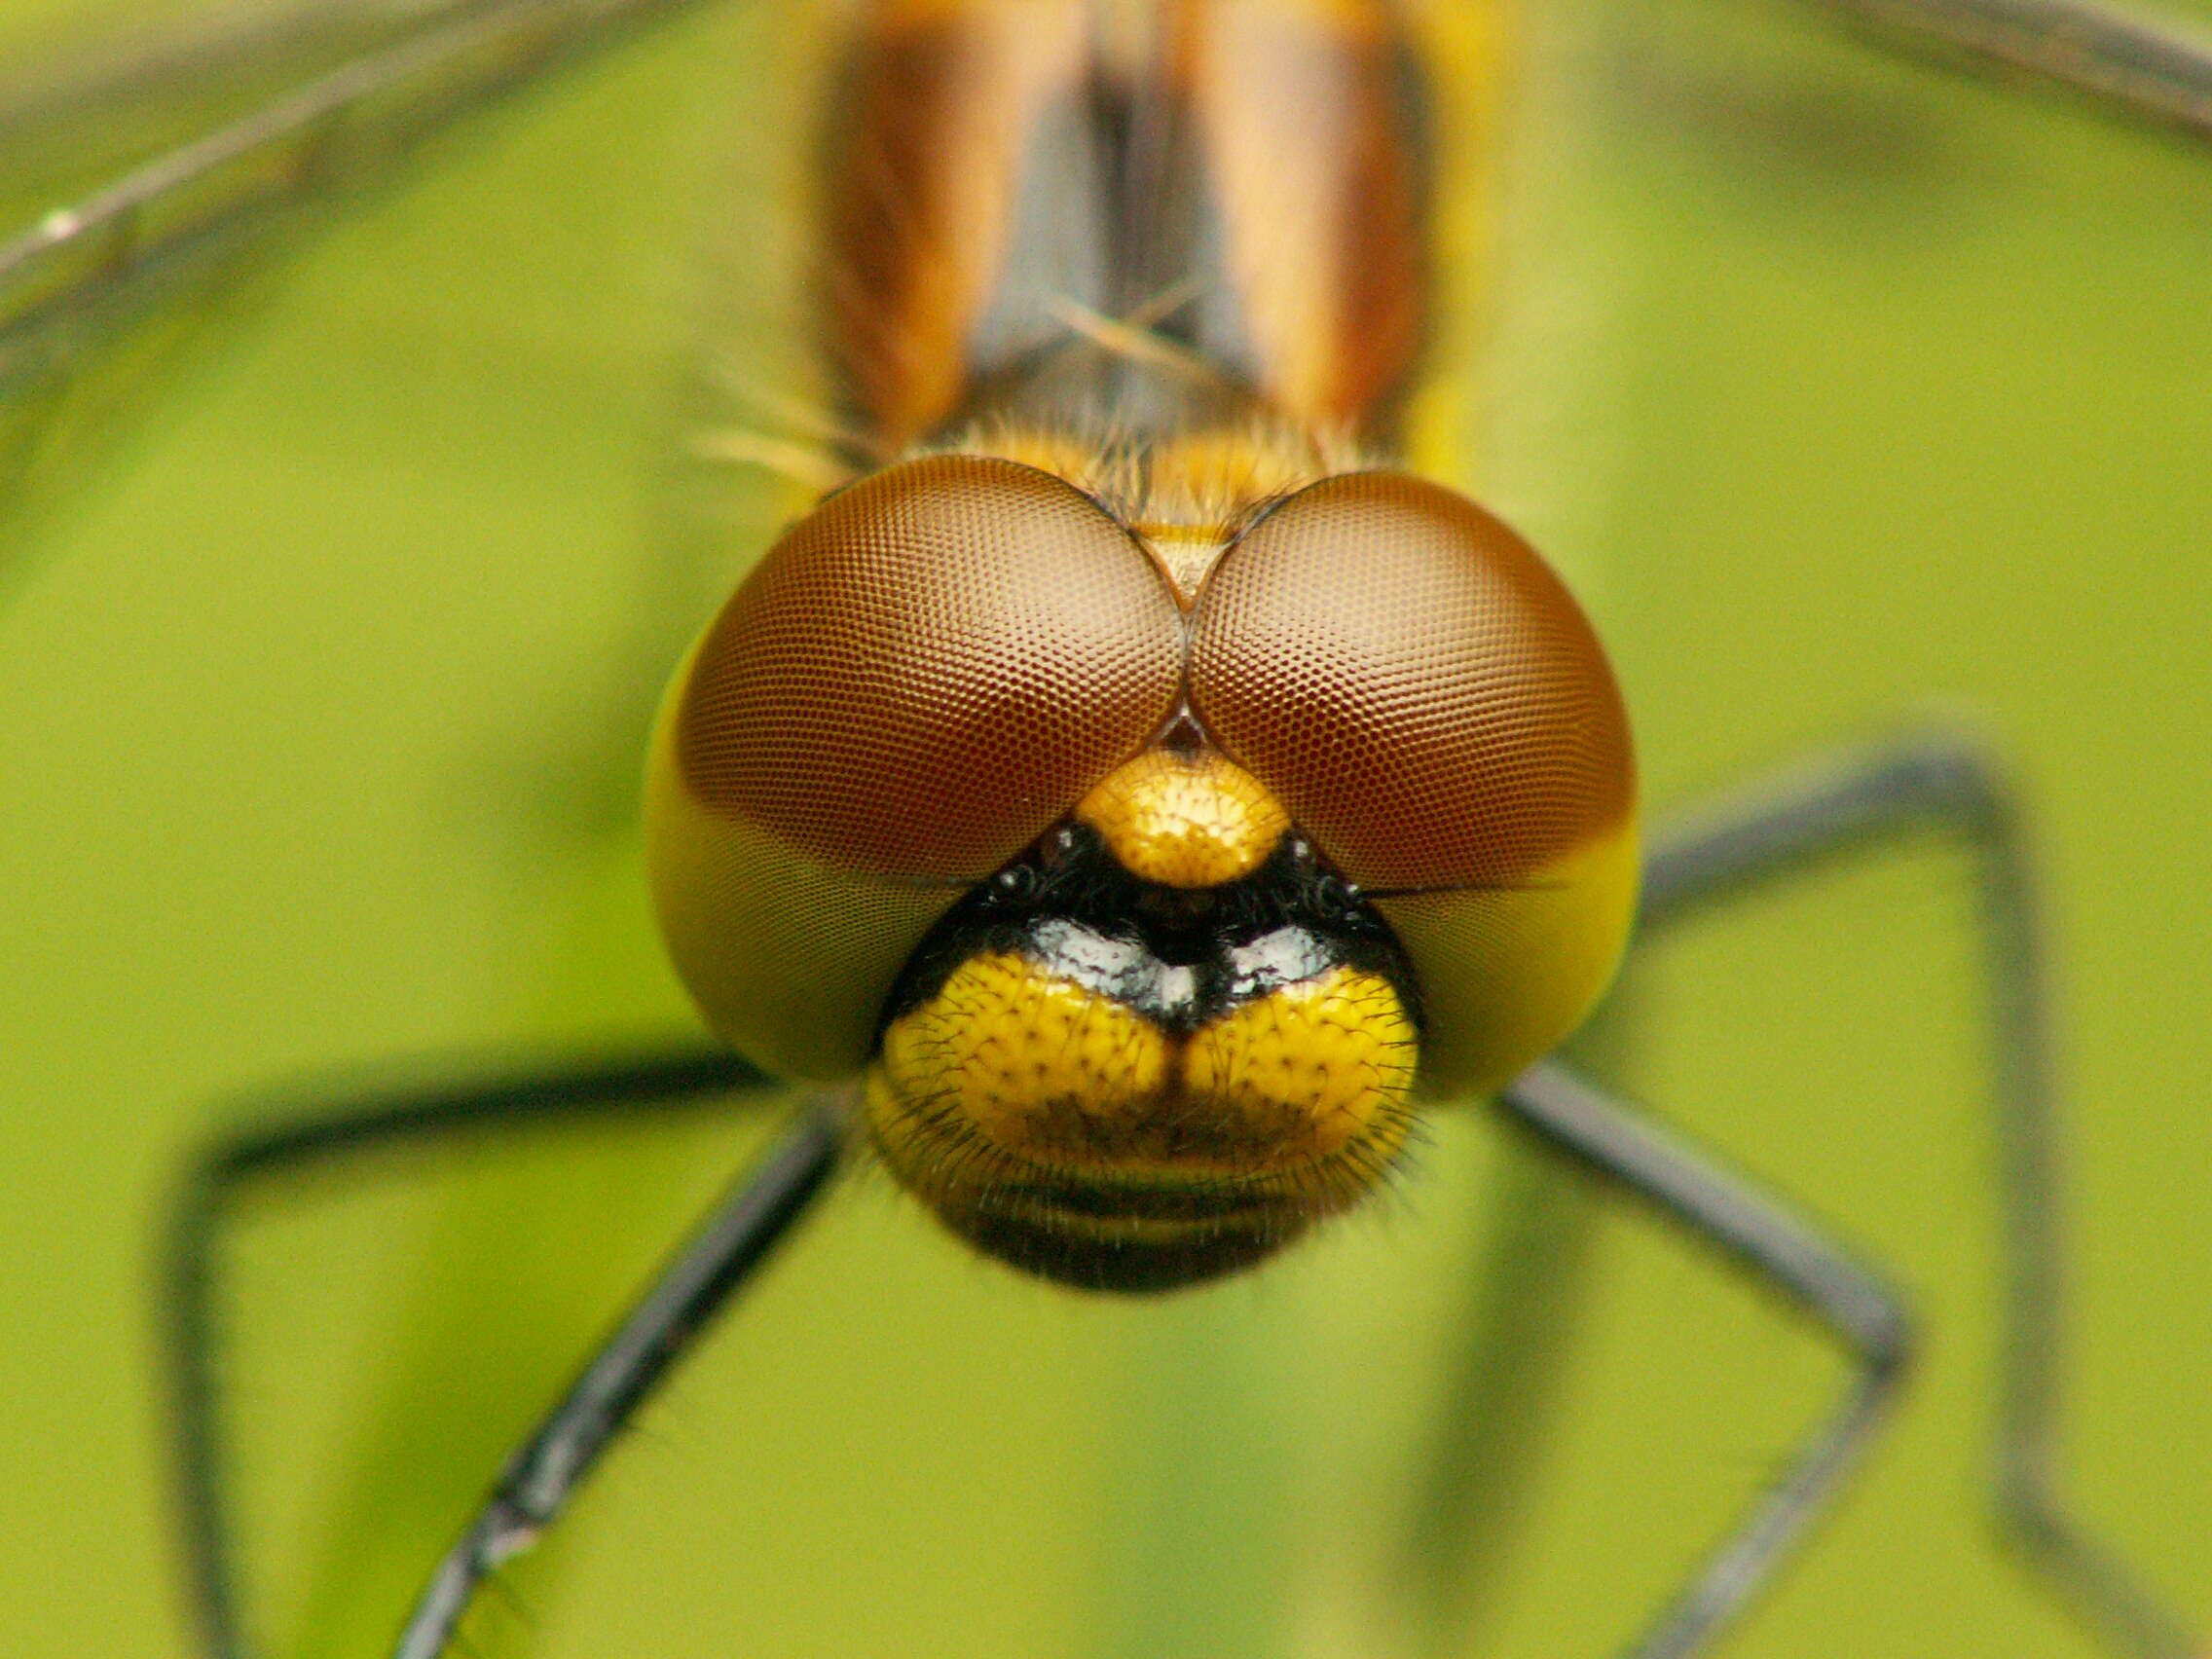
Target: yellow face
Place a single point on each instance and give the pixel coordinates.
(1147, 1055)
(1148, 894)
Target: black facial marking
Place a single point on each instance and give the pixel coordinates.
(1181, 957)
(1129, 1267)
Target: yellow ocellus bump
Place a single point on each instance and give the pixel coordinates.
(1185, 821)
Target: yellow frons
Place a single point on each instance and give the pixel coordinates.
(1011, 1068)
(1185, 822)
(1003, 1043)
(1340, 1048)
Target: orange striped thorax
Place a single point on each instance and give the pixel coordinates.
(1152, 799)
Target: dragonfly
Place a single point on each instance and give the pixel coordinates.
(87, 273)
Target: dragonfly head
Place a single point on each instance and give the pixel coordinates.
(1150, 917)
(1157, 1048)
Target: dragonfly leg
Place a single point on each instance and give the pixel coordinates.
(222, 1173)
(1936, 781)
(1580, 1119)
(2139, 65)
(675, 1308)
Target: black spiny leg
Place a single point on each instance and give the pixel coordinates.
(1855, 803)
(1815, 1272)
(2132, 62)
(1877, 797)
(675, 1308)
(220, 1174)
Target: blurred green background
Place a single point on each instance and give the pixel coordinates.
(1845, 389)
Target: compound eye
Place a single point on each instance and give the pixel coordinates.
(1414, 684)
(929, 669)
(1428, 703)
(914, 685)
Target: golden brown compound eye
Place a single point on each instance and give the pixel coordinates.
(929, 669)
(1414, 684)
(913, 683)
(1425, 699)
